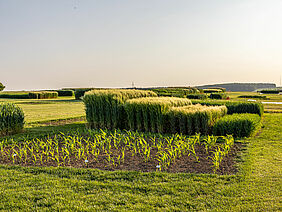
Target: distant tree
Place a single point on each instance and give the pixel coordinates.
(1, 87)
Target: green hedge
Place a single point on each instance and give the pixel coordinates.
(104, 108)
(238, 125)
(234, 106)
(217, 96)
(197, 96)
(43, 95)
(193, 119)
(253, 97)
(65, 92)
(147, 114)
(270, 91)
(212, 90)
(14, 96)
(80, 92)
(11, 119)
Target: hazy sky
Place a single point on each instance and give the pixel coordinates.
(110, 43)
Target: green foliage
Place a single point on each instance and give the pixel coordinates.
(11, 119)
(65, 92)
(78, 93)
(43, 95)
(104, 108)
(1, 87)
(148, 114)
(217, 96)
(238, 125)
(234, 106)
(197, 96)
(252, 97)
(193, 119)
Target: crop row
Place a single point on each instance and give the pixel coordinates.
(88, 146)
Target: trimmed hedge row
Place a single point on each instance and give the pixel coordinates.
(197, 96)
(11, 119)
(238, 125)
(212, 90)
(78, 93)
(253, 97)
(104, 108)
(217, 96)
(234, 106)
(148, 114)
(43, 95)
(15, 96)
(270, 91)
(65, 92)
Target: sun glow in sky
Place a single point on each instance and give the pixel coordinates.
(106, 43)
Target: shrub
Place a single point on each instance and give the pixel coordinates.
(218, 96)
(147, 114)
(197, 96)
(252, 97)
(238, 125)
(65, 92)
(234, 106)
(193, 119)
(11, 119)
(43, 95)
(104, 108)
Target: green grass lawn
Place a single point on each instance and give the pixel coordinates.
(257, 187)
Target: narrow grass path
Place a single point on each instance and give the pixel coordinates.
(263, 165)
(256, 188)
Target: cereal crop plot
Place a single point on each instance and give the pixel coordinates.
(124, 150)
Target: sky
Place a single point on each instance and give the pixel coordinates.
(50, 44)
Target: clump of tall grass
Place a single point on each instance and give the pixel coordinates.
(105, 108)
(234, 106)
(238, 125)
(148, 114)
(11, 119)
(193, 119)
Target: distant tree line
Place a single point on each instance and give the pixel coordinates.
(239, 86)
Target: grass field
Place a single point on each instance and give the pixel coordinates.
(256, 187)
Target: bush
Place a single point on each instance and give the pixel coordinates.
(105, 109)
(234, 106)
(43, 95)
(11, 119)
(197, 96)
(253, 97)
(147, 114)
(65, 92)
(193, 119)
(218, 96)
(238, 125)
